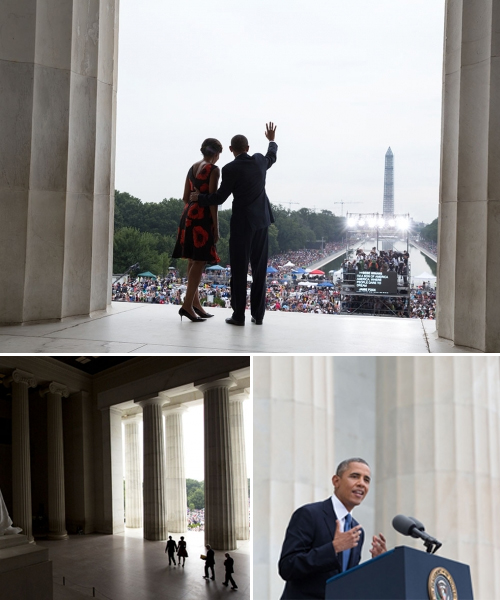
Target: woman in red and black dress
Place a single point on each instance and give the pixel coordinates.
(199, 230)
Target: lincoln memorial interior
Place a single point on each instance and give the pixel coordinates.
(71, 459)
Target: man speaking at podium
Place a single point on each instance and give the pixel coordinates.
(322, 539)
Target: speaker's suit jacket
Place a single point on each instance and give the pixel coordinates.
(245, 178)
(308, 558)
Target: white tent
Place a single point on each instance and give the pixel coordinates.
(289, 264)
(425, 275)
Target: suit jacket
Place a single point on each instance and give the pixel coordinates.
(210, 560)
(245, 178)
(171, 546)
(308, 558)
(228, 564)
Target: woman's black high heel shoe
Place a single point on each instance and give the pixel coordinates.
(200, 313)
(184, 313)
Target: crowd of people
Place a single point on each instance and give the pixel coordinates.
(301, 258)
(423, 304)
(292, 297)
(289, 292)
(430, 246)
(168, 291)
(196, 519)
(383, 262)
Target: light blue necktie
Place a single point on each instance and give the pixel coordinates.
(346, 553)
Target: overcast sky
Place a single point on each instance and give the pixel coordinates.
(194, 440)
(343, 81)
(193, 435)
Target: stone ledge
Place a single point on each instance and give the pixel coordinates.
(17, 557)
(7, 541)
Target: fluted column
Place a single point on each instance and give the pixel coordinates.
(155, 513)
(220, 530)
(469, 209)
(58, 67)
(175, 476)
(57, 510)
(438, 456)
(293, 452)
(240, 481)
(133, 479)
(21, 463)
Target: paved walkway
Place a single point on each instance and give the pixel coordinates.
(127, 567)
(424, 251)
(154, 328)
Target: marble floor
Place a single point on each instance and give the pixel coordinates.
(127, 567)
(146, 328)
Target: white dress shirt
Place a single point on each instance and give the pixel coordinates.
(340, 510)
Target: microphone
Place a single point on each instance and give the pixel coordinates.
(414, 528)
(418, 523)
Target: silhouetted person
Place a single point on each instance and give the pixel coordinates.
(228, 565)
(209, 562)
(171, 548)
(182, 552)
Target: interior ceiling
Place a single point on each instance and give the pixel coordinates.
(92, 365)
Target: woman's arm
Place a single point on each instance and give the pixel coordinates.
(187, 190)
(212, 187)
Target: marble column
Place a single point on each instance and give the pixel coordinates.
(57, 510)
(438, 456)
(220, 530)
(155, 510)
(21, 463)
(240, 480)
(175, 476)
(58, 66)
(294, 457)
(113, 502)
(133, 479)
(469, 209)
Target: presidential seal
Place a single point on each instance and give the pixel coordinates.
(441, 585)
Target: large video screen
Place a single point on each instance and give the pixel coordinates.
(373, 282)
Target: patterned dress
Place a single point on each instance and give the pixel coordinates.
(195, 235)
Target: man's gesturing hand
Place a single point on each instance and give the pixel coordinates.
(346, 540)
(270, 131)
(378, 546)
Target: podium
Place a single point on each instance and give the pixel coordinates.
(399, 574)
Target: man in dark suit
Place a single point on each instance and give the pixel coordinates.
(245, 178)
(209, 562)
(229, 567)
(171, 549)
(322, 539)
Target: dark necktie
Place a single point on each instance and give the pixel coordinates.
(346, 553)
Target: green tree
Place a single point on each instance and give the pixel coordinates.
(127, 211)
(195, 491)
(223, 251)
(197, 499)
(130, 247)
(162, 264)
(430, 232)
(191, 485)
(274, 246)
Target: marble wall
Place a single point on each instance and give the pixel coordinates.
(469, 209)
(58, 97)
(429, 427)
